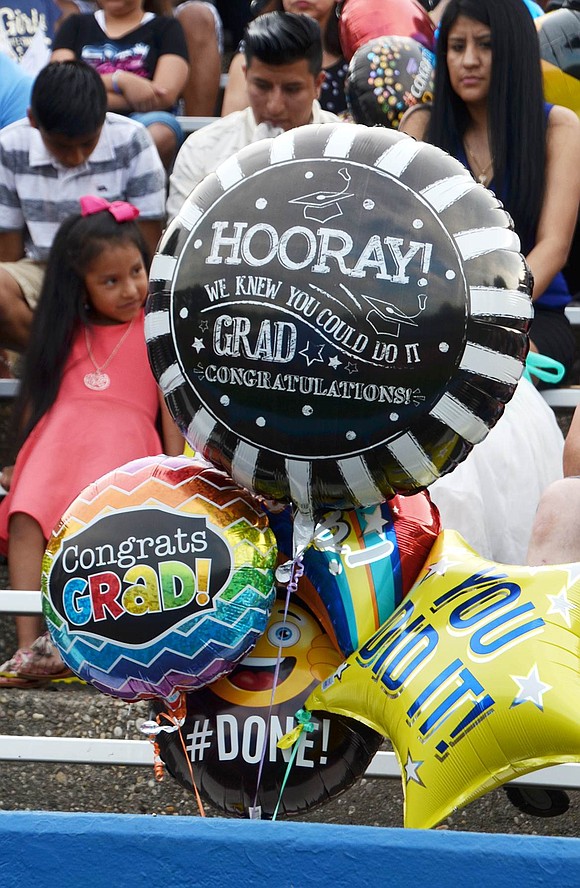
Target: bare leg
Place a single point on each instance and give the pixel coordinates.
(555, 538)
(26, 545)
(201, 91)
(165, 142)
(15, 315)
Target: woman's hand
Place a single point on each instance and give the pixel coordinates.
(6, 477)
(140, 94)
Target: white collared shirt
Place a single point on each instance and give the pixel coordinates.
(207, 148)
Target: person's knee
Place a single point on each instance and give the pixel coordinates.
(555, 538)
(560, 499)
(165, 140)
(22, 527)
(15, 314)
(11, 297)
(198, 22)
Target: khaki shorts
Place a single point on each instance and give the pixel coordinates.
(29, 276)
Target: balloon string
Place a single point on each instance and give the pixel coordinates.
(158, 766)
(172, 719)
(297, 572)
(286, 776)
(545, 368)
(303, 717)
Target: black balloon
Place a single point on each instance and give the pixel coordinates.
(226, 724)
(338, 315)
(386, 76)
(559, 35)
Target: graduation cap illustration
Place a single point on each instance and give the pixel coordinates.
(386, 318)
(322, 206)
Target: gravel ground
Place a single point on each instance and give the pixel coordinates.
(73, 710)
(80, 711)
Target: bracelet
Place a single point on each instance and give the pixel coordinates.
(115, 83)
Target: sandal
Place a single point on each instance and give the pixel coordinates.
(9, 671)
(15, 681)
(17, 661)
(44, 663)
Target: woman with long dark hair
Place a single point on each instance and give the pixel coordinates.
(489, 112)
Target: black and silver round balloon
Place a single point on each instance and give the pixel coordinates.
(337, 315)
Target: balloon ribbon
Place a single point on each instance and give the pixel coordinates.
(546, 369)
(177, 706)
(305, 724)
(296, 572)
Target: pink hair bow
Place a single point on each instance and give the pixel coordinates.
(119, 209)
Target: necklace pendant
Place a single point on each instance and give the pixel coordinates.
(97, 381)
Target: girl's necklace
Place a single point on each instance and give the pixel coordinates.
(483, 175)
(98, 380)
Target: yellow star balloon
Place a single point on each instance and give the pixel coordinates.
(475, 677)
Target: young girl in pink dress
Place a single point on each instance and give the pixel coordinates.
(88, 401)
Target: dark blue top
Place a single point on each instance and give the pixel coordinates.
(556, 294)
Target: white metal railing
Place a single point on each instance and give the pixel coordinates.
(565, 397)
(191, 124)
(90, 751)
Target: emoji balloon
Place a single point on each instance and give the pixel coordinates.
(159, 578)
(475, 678)
(231, 734)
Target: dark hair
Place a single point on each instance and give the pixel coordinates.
(158, 7)
(62, 307)
(516, 118)
(69, 98)
(330, 36)
(281, 38)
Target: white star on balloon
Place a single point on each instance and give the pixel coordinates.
(197, 344)
(531, 688)
(561, 605)
(411, 769)
(338, 673)
(439, 567)
(374, 520)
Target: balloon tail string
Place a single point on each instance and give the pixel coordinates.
(158, 766)
(177, 718)
(200, 807)
(297, 572)
(287, 775)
